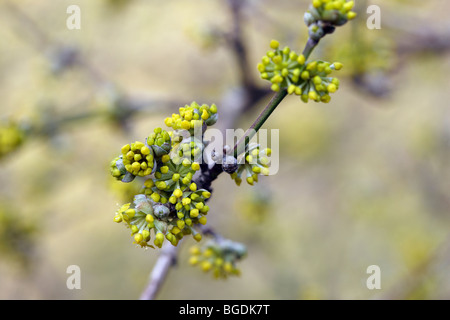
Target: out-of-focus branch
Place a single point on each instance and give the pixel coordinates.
(64, 56)
(242, 99)
(119, 111)
(166, 260)
(410, 34)
(209, 231)
(237, 44)
(120, 107)
(417, 34)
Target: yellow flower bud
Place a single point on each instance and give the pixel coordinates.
(145, 150)
(164, 169)
(228, 267)
(155, 196)
(351, 15)
(138, 238)
(185, 125)
(331, 88)
(198, 237)
(202, 220)
(193, 260)
(194, 250)
(274, 44)
(206, 266)
(195, 166)
(194, 213)
(165, 158)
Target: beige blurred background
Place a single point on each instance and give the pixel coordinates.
(363, 180)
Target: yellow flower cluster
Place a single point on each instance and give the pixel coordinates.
(186, 151)
(191, 208)
(160, 142)
(138, 159)
(170, 203)
(254, 162)
(144, 215)
(219, 257)
(282, 67)
(317, 85)
(336, 12)
(285, 69)
(170, 181)
(193, 116)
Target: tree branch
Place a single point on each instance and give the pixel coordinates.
(166, 260)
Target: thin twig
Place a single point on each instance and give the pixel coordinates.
(260, 120)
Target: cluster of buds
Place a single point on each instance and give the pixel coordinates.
(144, 215)
(191, 207)
(193, 116)
(317, 84)
(11, 137)
(169, 202)
(324, 16)
(218, 256)
(170, 219)
(160, 142)
(254, 162)
(285, 69)
(138, 159)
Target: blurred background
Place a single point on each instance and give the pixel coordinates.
(363, 180)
